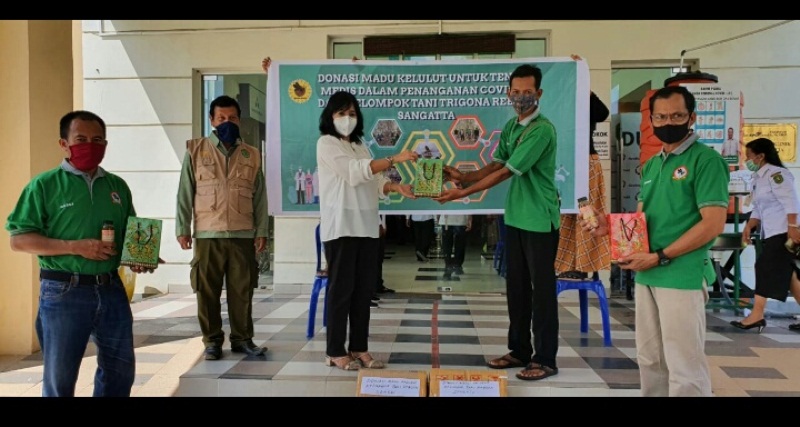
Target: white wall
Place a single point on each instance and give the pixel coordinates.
(139, 76)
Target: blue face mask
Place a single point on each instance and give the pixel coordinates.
(228, 132)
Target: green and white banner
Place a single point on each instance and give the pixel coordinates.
(453, 110)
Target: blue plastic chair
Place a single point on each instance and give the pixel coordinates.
(500, 258)
(596, 286)
(320, 284)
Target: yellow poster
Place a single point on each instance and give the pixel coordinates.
(784, 135)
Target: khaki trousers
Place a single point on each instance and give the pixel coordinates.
(670, 341)
(232, 262)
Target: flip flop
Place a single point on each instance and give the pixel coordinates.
(504, 362)
(541, 371)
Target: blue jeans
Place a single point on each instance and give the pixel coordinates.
(69, 314)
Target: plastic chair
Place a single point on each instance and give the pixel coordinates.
(596, 286)
(499, 261)
(320, 283)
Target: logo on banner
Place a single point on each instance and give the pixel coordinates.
(300, 91)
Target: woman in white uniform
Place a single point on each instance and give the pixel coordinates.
(775, 209)
(350, 182)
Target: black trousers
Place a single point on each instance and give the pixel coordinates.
(381, 252)
(352, 272)
(454, 245)
(423, 235)
(531, 295)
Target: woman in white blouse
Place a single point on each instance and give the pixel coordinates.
(351, 183)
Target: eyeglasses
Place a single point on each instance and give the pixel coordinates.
(678, 118)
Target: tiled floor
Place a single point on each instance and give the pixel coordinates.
(418, 328)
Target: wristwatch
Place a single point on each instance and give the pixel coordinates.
(663, 259)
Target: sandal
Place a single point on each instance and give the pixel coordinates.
(504, 362)
(342, 362)
(536, 371)
(366, 360)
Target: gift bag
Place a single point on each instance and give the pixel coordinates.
(628, 234)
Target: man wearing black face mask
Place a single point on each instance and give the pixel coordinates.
(222, 188)
(684, 196)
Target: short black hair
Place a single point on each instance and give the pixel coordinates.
(224, 101)
(766, 147)
(527, 70)
(666, 92)
(84, 115)
(339, 101)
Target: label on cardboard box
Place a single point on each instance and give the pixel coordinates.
(468, 383)
(469, 388)
(392, 383)
(401, 387)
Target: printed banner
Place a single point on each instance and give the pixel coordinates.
(784, 135)
(631, 172)
(453, 110)
(719, 112)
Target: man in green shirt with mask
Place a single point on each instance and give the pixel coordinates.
(526, 153)
(59, 218)
(222, 188)
(684, 196)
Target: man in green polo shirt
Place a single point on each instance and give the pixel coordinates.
(684, 196)
(59, 218)
(526, 153)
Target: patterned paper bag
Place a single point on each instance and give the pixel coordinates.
(628, 234)
(142, 242)
(428, 179)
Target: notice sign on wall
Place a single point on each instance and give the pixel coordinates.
(601, 140)
(784, 135)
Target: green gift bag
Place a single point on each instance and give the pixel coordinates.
(428, 179)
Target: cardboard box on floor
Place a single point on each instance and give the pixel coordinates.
(390, 383)
(468, 383)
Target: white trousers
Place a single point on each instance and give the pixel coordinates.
(670, 341)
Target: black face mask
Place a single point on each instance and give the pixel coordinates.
(671, 134)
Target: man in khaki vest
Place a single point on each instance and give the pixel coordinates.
(222, 188)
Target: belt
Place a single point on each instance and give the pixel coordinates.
(78, 279)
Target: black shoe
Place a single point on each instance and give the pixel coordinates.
(213, 352)
(421, 257)
(375, 298)
(385, 290)
(794, 327)
(448, 274)
(761, 324)
(373, 304)
(248, 347)
(459, 271)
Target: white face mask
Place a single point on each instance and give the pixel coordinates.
(345, 125)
